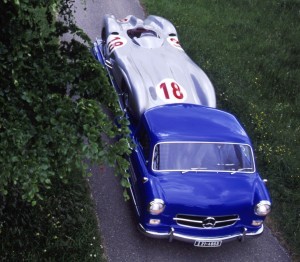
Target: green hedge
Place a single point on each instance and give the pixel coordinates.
(51, 100)
(54, 100)
(62, 228)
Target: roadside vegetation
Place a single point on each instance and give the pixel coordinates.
(52, 99)
(250, 50)
(62, 227)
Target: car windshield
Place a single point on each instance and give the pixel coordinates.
(202, 156)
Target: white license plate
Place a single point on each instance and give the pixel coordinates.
(207, 243)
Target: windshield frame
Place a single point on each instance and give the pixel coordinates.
(195, 169)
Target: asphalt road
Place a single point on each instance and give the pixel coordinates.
(121, 240)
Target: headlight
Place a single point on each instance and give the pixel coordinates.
(156, 207)
(262, 208)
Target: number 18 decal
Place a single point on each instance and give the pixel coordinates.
(173, 41)
(170, 91)
(123, 20)
(114, 42)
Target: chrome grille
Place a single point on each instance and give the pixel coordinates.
(206, 221)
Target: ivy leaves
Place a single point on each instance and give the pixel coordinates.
(52, 101)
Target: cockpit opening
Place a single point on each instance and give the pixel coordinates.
(141, 32)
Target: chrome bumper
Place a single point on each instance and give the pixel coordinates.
(191, 239)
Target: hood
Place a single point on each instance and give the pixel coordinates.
(210, 193)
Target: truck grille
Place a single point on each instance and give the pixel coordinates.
(206, 221)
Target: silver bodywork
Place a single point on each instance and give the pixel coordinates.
(150, 67)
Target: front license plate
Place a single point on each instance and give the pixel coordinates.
(207, 243)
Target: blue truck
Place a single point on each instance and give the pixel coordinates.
(193, 176)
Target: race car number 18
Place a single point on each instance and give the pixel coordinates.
(170, 91)
(176, 90)
(114, 42)
(173, 41)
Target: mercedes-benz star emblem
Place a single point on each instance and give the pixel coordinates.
(209, 222)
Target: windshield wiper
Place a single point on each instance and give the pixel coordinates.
(228, 164)
(241, 169)
(193, 169)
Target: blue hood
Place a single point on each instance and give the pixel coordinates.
(210, 193)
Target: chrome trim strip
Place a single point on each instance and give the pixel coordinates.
(187, 220)
(258, 232)
(244, 234)
(134, 201)
(191, 239)
(171, 234)
(108, 64)
(228, 220)
(201, 222)
(153, 233)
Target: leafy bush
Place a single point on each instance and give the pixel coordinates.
(63, 228)
(51, 100)
(54, 100)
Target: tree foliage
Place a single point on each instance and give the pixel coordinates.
(52, 99)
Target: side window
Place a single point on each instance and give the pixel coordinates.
(144, 142)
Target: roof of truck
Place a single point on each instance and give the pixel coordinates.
(187, 122)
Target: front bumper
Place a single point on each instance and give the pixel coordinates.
(191, 239)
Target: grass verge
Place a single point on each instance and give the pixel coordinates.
(63, 228)
(250, 50)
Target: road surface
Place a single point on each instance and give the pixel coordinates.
(121, 240)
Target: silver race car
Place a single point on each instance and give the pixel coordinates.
(148, 65)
